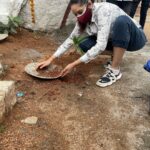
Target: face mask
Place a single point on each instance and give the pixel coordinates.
(85, 18)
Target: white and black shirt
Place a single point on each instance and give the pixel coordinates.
(103, 17)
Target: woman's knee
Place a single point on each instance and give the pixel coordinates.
(121, 21)
(88, 43)
(83, 46)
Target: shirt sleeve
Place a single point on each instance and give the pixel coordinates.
(104, 24)
(69, 41)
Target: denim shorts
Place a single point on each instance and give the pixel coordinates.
(125, 34)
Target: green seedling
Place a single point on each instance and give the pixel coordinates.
(77, 41)
(11, 27)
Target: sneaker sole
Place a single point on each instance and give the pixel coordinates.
(102, 85)
(108, 84)
(119, 77)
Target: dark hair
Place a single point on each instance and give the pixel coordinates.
(78, 2)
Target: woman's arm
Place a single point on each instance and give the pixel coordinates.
(70, 67)
(104, 24)
(69, 42)
(62, 49)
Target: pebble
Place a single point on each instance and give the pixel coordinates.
(30, 120)
(80, 94)
(87, 83)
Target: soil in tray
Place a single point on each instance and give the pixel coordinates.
(49, 73)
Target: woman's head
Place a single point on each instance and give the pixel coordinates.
(82, 9)
(78, 6)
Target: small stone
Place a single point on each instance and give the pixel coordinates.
(12, 66)
(87, 83)
(30, 120)
(80, 94)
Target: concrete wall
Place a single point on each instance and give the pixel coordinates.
(48, 14)
(9, 8)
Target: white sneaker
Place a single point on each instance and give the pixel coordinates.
(108, 64)
(109, 78)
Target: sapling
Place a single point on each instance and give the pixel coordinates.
(76, 42)
(11, 26)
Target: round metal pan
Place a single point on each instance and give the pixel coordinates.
(3, 36)
(31, 69)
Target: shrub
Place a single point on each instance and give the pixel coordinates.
(11, 27)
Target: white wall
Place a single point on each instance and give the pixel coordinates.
(9, 8)
(48, 14)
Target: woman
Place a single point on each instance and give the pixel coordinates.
(143, 13)
(102, 21)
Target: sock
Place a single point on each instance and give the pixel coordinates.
(115, 71)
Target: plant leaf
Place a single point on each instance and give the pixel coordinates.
(13, 30)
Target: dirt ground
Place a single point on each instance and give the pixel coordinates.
(75, 114)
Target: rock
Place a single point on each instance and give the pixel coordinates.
(80, 94)
(29, 54)
(47, 16)
(3, 36)
(93, 76)
(7, 97)
(30, 120)
(87, 83)
(10, 8)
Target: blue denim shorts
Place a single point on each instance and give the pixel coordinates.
(125, 34)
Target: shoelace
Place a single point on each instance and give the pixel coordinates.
(109, 73)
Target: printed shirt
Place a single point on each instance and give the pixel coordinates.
(103, 17)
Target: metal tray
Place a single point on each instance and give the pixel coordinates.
(31, 69)
(3, 36)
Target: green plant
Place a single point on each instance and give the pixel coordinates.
(77, 41)
(11, 27)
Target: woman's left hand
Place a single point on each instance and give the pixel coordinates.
(67, 70)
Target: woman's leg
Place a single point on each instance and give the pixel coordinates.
(125, 35)
(87, 43)
(143, 13)
(118, 54)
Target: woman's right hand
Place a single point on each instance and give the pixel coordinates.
(44, 64)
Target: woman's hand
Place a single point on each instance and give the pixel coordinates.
(69, 68)
(45, 63)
